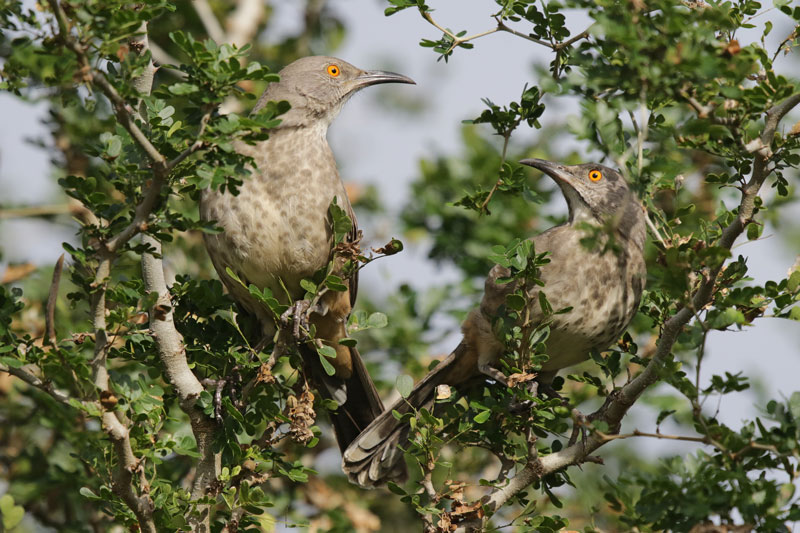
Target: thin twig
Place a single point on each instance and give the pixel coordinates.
(457, 41)
(636, 433)
(654, 229)
(196, 145)
(35, 211)
(506, 139)
(25, 374)
(502, 27)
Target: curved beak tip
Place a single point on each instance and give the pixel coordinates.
(541, 164)
(374, 77)
(554, 170)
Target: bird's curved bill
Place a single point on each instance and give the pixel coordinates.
(554, 170)
(374, 77)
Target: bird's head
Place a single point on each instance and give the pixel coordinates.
(592, 191)
(596, 194)
(318, 86)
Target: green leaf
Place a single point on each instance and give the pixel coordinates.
(404, 384)
(794, 281)
(309, 286)
(326, 365)
(12, 514)
(348, 341)
(754, 231)
(482, 417)
(340, 221)
(335, 283)
(377, 320)
(327, 352)
(182, 88)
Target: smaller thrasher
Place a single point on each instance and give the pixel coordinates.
(603, 290)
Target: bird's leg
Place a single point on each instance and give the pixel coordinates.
(218, 400)
(265, 339)
(218, 385)
(493, 373)
(235, 383)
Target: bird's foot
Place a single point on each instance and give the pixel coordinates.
(579, 421)
(218, 385)
(518, 408)
(297, 315)
(233, 381)
(579, 424)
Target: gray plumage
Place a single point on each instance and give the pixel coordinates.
(277, 229)
(603, 290)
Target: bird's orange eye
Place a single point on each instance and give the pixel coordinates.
(595, 175)
(333, 70)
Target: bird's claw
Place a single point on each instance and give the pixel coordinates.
(580, 421)
(297, 314)
(233, 381)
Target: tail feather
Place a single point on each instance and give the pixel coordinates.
(358, 399)
(376, 455)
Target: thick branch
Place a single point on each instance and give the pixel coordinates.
(243, 23)
(170, 346)
(122, 481)
(618, 403)
(172, 353)
(209, 20)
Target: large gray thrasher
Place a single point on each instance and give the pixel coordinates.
(603, 290)
(277, 230)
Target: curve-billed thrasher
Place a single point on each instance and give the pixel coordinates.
(603, 290)
(277, 230)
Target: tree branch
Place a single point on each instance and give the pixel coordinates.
(209, 20)
(169, 341)
(172, 353)
(32, 379)
(243, 23)
(126, 117)
(637, 433)
(198, 144)
(619, 402)
(457, 41)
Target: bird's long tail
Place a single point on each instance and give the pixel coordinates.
(359, 402)
(376, 455)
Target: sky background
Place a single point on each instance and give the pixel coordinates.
(375, 145)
